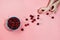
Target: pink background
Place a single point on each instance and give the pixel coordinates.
(48, 29)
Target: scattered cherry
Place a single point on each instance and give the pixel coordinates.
(33, 20)
(26, 19)
(52, 17)
(27, 24)
(37, 23)
(47, 13)
(22, 29)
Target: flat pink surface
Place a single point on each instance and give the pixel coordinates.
(48, 29)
